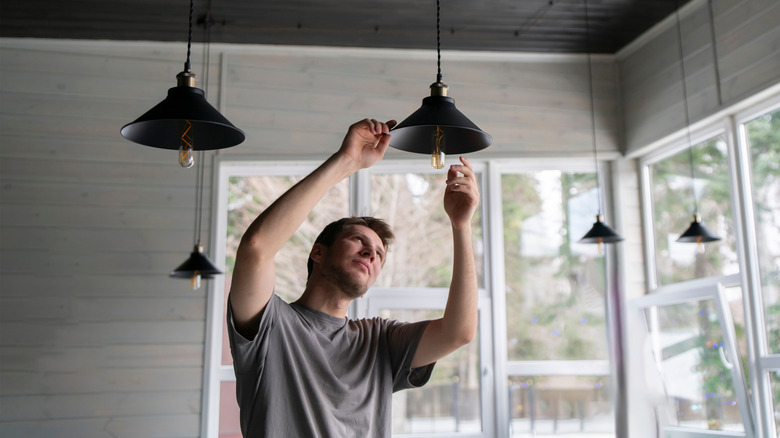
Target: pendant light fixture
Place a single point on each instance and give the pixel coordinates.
(438, 127)
(600, 232)
(184, 120)
(198, 266)
(696, 231)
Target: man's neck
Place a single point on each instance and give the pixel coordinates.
(333, 303)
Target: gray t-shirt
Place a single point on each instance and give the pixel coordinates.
(309, 374)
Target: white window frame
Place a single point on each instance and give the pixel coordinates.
(759, 358)
(673, 148)
(711, 288)
(493, 356)
(504, 367)
(730, 123)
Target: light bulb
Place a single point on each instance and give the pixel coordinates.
(437, 148)
(186, 158)
(699, 245)
(601, 241)
(195, 280)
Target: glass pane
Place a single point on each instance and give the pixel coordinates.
(249, 196)
(688, 344)
(450, 401)
(554, 285)
(422, 253)
(764, 137)
(774, 378)
(229, 420)
(736, 306)
(673, 206)
(569, 406)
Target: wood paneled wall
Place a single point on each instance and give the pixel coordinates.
(744, 60)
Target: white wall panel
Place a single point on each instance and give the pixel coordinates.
(747, 43)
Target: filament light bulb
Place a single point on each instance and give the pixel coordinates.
(699, 245)
(195, 280)
(437, 148)
(600, 242)
(186, 157)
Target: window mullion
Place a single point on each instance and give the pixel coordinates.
(745, 231)
(495, 241)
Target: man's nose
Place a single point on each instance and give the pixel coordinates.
(369, 252)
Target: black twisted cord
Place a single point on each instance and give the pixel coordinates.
(189, 38)
(438, 43)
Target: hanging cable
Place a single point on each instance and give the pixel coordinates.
(592, 109)
(685, 106)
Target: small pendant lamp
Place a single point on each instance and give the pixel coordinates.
(196, 267)
(600, 232)
(438, 127)
(184, 120)
(696, 231)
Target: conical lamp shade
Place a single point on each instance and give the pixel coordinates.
(415, 133)
(161, 126)
(697, 232)
(198, 263)
(601, 233)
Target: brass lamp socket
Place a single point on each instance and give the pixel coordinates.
(186, 79)
(438, 88)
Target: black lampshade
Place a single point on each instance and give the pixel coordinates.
(414, 133)
(601, 233)
(160, 127)
(198, 263)
(697, 232)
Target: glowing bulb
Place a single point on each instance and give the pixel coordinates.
(599, 244)
(437, 148)
(186, 158)
(699, 246)
(195, 280)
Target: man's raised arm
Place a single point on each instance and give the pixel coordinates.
(253, 275)
(458, 326)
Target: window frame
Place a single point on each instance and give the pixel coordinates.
(730, 124)
(698, 290)
(760, 359)
(493, 355)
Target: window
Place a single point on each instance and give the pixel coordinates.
(695, 178)
(554, 285)
(763, 137)
(735, 163)
(556, 341)
(696, 355)
(546, 210)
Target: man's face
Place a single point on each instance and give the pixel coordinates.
(354, 261)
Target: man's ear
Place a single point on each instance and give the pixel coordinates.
(317, 252)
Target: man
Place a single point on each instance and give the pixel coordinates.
(305, 370)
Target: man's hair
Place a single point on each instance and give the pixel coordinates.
(334, 229)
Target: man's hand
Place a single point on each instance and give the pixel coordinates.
(366, 142)
(461, 196)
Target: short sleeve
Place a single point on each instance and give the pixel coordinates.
(403, 339)
(249, 354)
